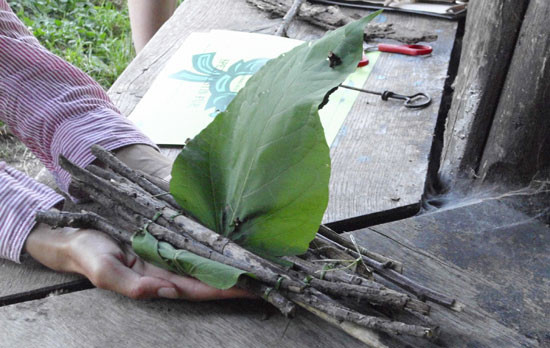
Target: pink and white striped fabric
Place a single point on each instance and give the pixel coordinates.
(54, 108)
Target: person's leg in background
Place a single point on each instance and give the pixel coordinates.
(146, 17)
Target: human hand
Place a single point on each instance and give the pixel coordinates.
(109, 266)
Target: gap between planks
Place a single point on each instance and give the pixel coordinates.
(36, 294)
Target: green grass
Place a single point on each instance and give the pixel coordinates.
(93, 35)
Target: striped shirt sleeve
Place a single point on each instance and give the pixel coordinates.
(54, 108)
(20, 199)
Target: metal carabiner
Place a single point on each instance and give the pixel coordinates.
(415, 101)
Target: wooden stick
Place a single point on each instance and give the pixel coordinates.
(320, 273)
(92, 220)
(269, 294)
(380, 297)
(373, 293)
(161, 183)
(288, 18)
(331, 17)
(82, 220)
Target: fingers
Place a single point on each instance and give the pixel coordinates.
(112, 274)
(193, 290)
(189, 288)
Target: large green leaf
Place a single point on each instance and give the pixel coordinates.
(259, 172)
(183, 262)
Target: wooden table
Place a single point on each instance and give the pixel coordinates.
(380, 162)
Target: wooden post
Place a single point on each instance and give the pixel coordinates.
(518, 146)
(492, 29)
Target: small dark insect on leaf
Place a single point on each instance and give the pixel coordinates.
(333, 59)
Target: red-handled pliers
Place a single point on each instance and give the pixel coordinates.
(410, 50)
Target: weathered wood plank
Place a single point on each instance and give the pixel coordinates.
(380, 142)
(518, 146)
(380, 158)
(96, 318)
(492, 258)
(28, 277)
(492, 28)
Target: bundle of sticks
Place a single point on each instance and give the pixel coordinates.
(351, 293)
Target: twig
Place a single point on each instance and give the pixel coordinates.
(269, 294)
(289, 17)
(326, 17)
(380, 297)
(161, 183)
(82, 220)
(334, 275)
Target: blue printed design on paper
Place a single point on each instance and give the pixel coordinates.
(219, 81)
